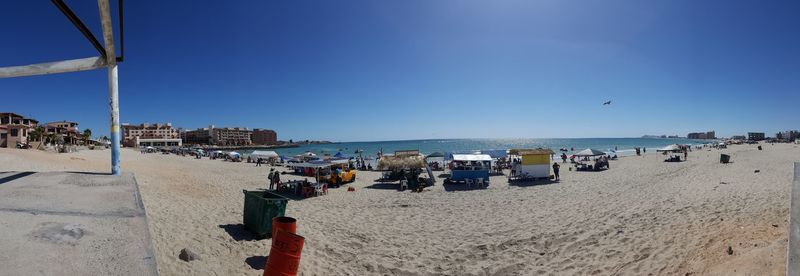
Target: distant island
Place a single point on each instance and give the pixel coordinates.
(661, 136)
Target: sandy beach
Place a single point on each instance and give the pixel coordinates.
(641, 217)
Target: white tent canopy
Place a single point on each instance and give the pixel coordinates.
(590, 152)
(266, 154)
(471, 157)
(310, 165)
(234, 154)
(309, 154)
(673, 147)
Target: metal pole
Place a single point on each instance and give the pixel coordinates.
(113, 93)
(793, 248)
(113, 87)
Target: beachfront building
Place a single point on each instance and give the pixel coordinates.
(755, 136)
(146, 135)
(15, 129)
(702, 135)
(739, 137)
(264, 137)
(789, 135)
(227, 136)
(66, 132)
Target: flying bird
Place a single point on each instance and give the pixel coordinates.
(607, 103)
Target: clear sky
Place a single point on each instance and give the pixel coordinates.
(386, 70)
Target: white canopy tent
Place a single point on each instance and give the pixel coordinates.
(265, 154)
(673, 147)
(471, 157)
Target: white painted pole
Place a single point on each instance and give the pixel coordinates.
(793, 249)
(113, 87)
(64, 66)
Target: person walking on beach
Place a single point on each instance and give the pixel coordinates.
(563, 158)
(556, 167)
(258, 162)
(271, 178)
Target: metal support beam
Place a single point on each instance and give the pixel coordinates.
(63, 66)
(113, 87)
(81, 27)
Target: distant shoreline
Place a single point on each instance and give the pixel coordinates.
(250, 147)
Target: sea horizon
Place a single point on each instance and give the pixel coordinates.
(428, 146)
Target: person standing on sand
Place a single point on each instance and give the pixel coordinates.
(271, 178)
(277, 178)
(556, 167)
(563, 158)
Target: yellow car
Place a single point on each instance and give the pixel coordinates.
(344, 176)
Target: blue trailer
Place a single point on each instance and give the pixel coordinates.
(472, 167)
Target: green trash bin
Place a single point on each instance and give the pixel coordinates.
(724, 158)
(259, 209)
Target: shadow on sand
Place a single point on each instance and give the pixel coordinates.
(256, 262)
(91, 173)
(14, 176)
(383, 186)
(530, 183)
(453, 187)
(238, 233)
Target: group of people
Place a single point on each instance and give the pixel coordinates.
(362, 165)
(274, 178)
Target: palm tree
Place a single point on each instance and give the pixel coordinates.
(87, 134)
(37, 133)
(51, 138)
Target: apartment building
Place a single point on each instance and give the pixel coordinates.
(264, 137)
(156, 135)
(67, 131)
(15, 129)
(227, 136)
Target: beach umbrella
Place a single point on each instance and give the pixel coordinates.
(338, 155)
(309, 154)
(673, 147)
(234, 154)
(589, 152)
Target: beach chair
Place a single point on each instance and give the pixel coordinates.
(318, 190)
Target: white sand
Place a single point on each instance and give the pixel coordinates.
(642, 216)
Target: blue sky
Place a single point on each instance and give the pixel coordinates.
(387, 70)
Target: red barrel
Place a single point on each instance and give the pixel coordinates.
(284, 256)
(288, 224)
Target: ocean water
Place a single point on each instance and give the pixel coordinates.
(624, 146)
